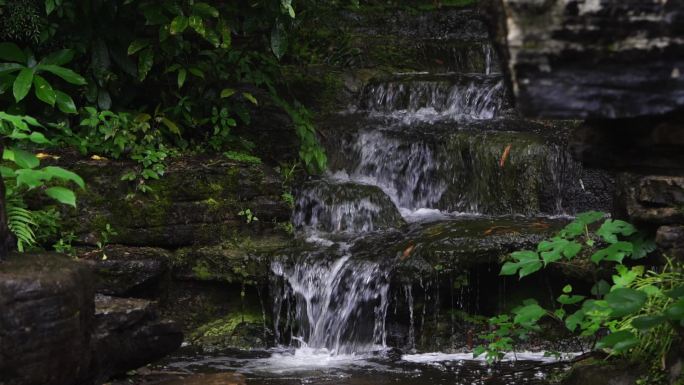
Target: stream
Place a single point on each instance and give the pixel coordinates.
(432, 178)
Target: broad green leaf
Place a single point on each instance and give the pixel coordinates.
(574, 320)
(64, 73)
(616, 252)
(648, 322)
(182, 74)
(676, 293)
(528, 315)
(30, 178)
(590, 217)
(619, 341)
(570, 299)
(22, 84)
(65, 103)
(12, 52)
(197, 24)
(49, 6)
(626, 276)
(610, 229)
(8, 68)
(21, 158)
(59, 58)
(227, 92)
(62, 195)
(205, 9)
(60, 173)
(643, 245)
(526, 262)
(38, 137)
(224, 30)
(624, 301)
(196, 72)
(44, 90)
(676, 311)
(601, 288)
(557, 248)
(178, 25)
(145, 63)
(567, 289)
(137, 45)
(572, 230)
(250, 97)
(278, 40)
(173, 128)
(6, 172)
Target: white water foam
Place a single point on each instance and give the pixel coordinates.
(427, 358)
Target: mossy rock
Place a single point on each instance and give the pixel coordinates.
(241, 330)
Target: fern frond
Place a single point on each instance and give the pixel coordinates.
(21, 222)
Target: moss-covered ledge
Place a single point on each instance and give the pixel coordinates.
(196, 202)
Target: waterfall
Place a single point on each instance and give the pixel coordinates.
(435, 99)
(335, 302)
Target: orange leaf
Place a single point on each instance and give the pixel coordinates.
(504, 156)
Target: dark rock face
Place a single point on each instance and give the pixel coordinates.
(592, 59)
(128, 335)
(46, 316)
(196, 202)
(652, 199)
(594, 373)
(130, 271)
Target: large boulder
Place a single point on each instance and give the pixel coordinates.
(591, 58)
(46, 317)
(128, 334)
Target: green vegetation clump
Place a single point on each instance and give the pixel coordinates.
(635, 314)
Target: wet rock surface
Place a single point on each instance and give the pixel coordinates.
(128, 334)
(129, 271)
(46, 317)
(592, 59)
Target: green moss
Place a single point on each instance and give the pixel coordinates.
(243, 330)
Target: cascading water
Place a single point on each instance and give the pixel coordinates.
(335, 301)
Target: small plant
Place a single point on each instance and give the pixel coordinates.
(241, 157)
(248, 215)
(64, 244)
(106, 235)
(639, 310)
(288, 198)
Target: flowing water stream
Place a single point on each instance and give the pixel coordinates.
(424, 165)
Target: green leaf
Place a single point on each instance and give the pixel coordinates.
(626, 276)
(49, 6)
(65, 103)
(197, 24)
(528, 315)
(22, 84)
(182, 74)
(570, 299)
(590, 217)
(611, 228)
(227, 92)
(62, 195)
(572, 230)
(21, 158)
(137, 45)
(225, 32)
(38, 138)
(643, 245)
(196, 72)
(30, 178)
(648, 321)
(615, 252)
(556, 248)
(59, 58)
(676, 293)
(567, 289)
(619, 341)
(173, 128)
(624, 301)
(8, 68)
(676, 311)
(250, 97)
(178, 25)
(600, 288)
(44, 90)
(64, 73)
(60, 173)
(574, 320)
(205, 9)
(145, 63)
(278, 40)
(12, 52)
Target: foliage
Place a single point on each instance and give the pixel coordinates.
(639, 310)
(248, 215)
(22, 174)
